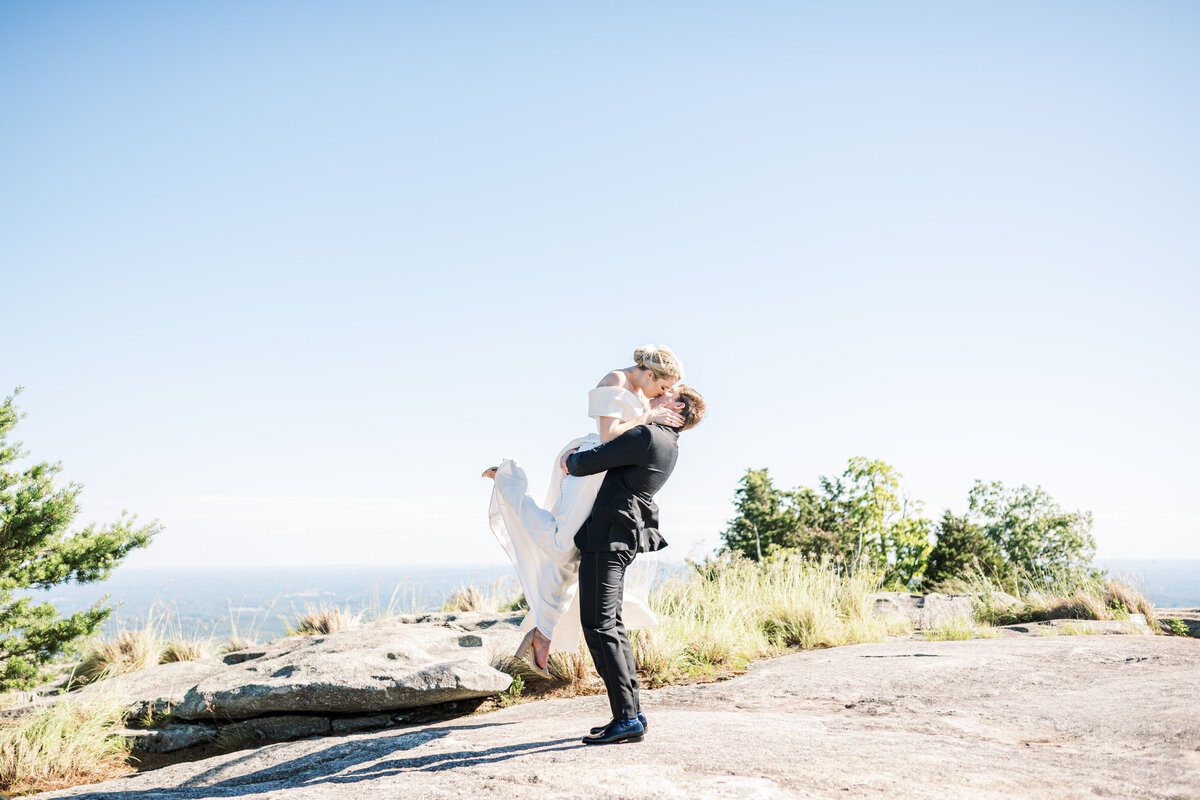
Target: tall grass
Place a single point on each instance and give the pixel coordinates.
(497, 598)
(323, 619)
(729, 612)
(126, 652)
(735, 610)
(1083, 597)
(131, 650)
(64, 744)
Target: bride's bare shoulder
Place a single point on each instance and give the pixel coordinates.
(614, 378)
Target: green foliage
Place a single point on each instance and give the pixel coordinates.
(1174, 626)
(858, 518)
(862, 519)
(38, 551)
(1035, 537)
(512, 695)
(908, 548)
(962, 549)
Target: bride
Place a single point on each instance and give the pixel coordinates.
(540, 539)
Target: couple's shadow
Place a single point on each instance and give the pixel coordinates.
(346, 762)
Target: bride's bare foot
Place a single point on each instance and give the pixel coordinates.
(490, 472)
(541, 649)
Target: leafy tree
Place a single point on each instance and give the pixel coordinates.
(909, 546)
(764, 520)
(961, 547)
(37, 551)
(857, 518)
(888, 538)
(1034, 535)
(771, 522)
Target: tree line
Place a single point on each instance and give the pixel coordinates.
(860, 518)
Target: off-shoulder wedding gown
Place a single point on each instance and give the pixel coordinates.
(540, 539)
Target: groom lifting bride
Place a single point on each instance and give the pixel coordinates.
(623, 523)
(571, 552)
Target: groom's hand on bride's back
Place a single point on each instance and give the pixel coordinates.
(562, 462)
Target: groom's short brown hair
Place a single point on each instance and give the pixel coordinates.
(694, 406)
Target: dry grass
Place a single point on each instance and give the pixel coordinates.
(62, 745)
(466, 598)
(500, 597)
(572, 669)
(1098, 598)
(234, 643)
(127, 652)
(652, 658)
(323, 619)
(185, 650)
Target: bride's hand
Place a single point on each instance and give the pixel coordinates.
(664, 416)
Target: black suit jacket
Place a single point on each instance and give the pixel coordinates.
(624, 516)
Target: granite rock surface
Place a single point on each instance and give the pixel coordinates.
(407, 662)
(1063, 717)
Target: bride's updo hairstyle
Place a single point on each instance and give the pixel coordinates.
(659, 360)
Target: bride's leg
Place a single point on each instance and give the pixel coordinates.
(523, 517)
(528, 534)
(540, 542)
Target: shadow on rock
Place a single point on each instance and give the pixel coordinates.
(463, 758)
(340, 763)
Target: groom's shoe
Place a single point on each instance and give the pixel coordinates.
(641, 718)
(619, 730)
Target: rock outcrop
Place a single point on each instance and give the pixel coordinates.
(381, 666)
(926, 611)
(304, 685)
(1017, 718)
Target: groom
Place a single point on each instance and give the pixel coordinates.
(624, 522)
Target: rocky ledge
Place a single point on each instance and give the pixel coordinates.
(357, 678)
(1064, 717)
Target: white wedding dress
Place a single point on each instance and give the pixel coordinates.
(540, 540)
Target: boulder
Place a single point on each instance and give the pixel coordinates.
(925, 610)
(407, 662)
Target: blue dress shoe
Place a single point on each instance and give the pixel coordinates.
(641, 718)
(619, 730)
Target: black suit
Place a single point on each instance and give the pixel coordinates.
(623, 523)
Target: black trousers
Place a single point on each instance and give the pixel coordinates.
(601, 588)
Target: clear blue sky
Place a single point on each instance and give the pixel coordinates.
(288, 275)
